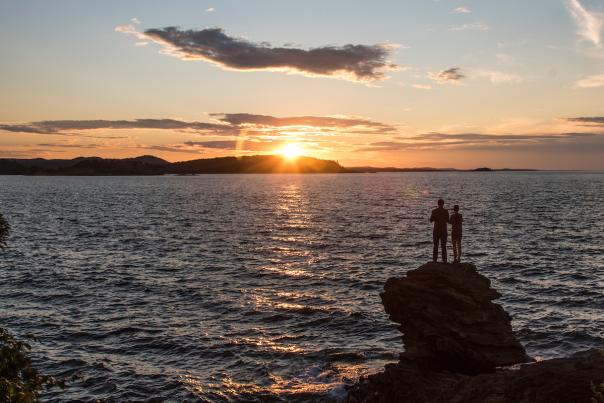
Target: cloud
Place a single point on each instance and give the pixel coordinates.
(60, 127)
(359, 63)
(69, 145)
(178, 148)
(441, 141)
(354, 124)
(499, 137)
(452, 75)
(594, 81)
(461, 10)
(225, 124)
(588, 121)
(126, 29)
(422, 87)
(497, 77)
(589, 24)
(26, 153)
(473, 26)
(210, 9)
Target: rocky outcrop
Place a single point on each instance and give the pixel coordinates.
(460, 348)
(447, 314)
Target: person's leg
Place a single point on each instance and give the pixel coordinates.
(455, 249)
(443, 241)
(459, 249)
(435, 251)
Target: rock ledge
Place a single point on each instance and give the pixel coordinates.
(459, 347)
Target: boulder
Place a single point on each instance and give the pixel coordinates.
(568, 380)
(446, 314)
(460, 348)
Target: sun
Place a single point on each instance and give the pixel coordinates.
(291, 151)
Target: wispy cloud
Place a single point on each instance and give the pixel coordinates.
(472, 26)
(461, 10)
(224, 124)
(210, 9)
(452, 75)
(594, 81)
(348, 123)
(499, 137)
(175, 148)
(497, 77)
(424, 87)
(441, 141)
(359, 63)
(63, 145)
(62, 127)
(588, 121)
(589, 24)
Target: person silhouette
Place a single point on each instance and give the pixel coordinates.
(456, 221)
(440, 218)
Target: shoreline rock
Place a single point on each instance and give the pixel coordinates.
(460, 347)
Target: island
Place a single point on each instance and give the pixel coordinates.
(151, 165)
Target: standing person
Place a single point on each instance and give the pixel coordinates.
(440, 218)
(456, 221)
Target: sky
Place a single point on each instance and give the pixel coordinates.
(405, 83)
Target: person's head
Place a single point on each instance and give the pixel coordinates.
(441, 202)
(456, 208)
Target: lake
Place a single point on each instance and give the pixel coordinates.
(266, 287)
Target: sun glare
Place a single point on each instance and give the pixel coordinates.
(291, 151)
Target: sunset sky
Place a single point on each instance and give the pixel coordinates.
(437, 83)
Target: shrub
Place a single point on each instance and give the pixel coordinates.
(19, 381)
(598, 393)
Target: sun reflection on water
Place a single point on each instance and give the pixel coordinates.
(311, 382)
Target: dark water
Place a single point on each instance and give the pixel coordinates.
(243, 288)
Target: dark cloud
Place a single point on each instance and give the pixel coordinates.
(588, 121)
(352, 62)
(435, 141)
(453, 75)
(61, 126)
(239, 119)
(230, 124)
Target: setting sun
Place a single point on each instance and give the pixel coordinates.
(291, 151)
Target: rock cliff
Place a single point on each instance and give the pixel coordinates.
(459, 347)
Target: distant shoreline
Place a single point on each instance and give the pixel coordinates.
(148, 165)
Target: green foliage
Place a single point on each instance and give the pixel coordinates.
(19, 381)
(4, 231)
(598, 393)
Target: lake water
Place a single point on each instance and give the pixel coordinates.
(266, 287)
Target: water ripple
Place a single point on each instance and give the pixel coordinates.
(266, 287)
